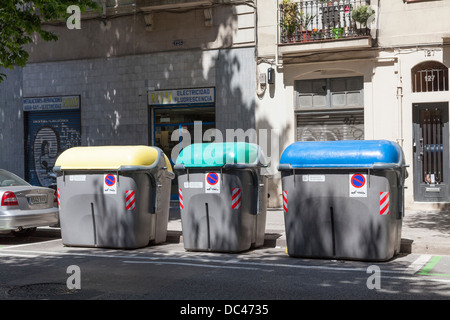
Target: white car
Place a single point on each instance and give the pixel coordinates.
(24, 207)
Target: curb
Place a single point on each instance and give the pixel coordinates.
(277, 239)
(271, 240)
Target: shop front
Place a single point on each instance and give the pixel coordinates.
(179, 116)
(52, 125)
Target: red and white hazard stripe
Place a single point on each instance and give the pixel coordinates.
(384, 203)
(285, 207)
(180, 196)
(236, 198)
(130, 200)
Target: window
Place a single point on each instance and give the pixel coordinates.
(429, 76)
(330, 109)
(330, 93)
(8, 179)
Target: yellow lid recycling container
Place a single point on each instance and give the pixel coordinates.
(111, 158)
(113, 196)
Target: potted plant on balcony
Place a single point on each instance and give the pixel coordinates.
(317, 34)
(328, 2)
(363, 15)
(290, 20)
(306, 20)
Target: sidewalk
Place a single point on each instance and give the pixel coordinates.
(423, 232)
(426, 232)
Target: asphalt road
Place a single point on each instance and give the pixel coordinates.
(41, 268)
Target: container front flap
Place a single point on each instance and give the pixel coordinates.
(344, 153)
(107, 157)
(219, 154)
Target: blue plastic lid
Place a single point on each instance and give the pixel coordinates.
(340, 154)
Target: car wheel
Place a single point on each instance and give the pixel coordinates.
(26, 232)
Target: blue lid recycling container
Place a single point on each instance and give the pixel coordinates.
(343, 199)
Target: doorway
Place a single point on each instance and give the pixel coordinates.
(167, 119)
(47, 135)
(431, 152)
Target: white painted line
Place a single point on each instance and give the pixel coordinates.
(83, 254)
(233, 260)
(256, 265)
(417, 278)
(419, 263)
(238, 263)
(405, 277)
(198, 265)
(27, 244)
(5, 254)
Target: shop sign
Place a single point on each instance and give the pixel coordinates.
(51, 103)
(181, 96)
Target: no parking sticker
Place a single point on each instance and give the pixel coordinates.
(212, 182)
(358, 185)
(109, 184)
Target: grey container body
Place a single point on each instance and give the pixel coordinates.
(209, 221)
(89, 217)
(323, 220)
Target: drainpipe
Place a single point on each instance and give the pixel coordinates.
(277, 58)
(400, 102)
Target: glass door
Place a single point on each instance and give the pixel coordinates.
(168, 119)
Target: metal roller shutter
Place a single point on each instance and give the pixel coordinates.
(48, 133)
(330, 125)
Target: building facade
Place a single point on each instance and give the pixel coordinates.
(338, 78)
(148, 71)
(136, 73)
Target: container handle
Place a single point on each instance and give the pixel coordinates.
(152, 205)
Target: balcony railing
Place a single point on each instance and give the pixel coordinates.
(317, 20)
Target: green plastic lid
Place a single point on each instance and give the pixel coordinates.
(202, 155)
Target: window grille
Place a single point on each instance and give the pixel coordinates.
(429, 77)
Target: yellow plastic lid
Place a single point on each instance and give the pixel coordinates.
(109, 158)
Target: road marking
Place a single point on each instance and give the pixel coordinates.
(27, 244)
(200, 260)
(412, 278)
(7, 254)
(401, 274)
(430, 265)
(419, 263)
(240, 264)
(201, 265)
(203, 260)
(233, 260)
(438, 274)
(426, 270)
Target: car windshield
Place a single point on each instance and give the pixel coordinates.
(9, 179)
